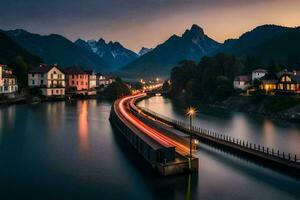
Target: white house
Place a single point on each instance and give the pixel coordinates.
(103, 81)
(50, 79)
(92, 79)
(241, 82)
(258, 73)
(8, 81)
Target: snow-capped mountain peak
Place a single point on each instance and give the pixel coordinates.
(112, 52)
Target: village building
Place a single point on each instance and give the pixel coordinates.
(269, 82)
(50, 80)
(258, 73)
(103, 81)
(289, 83)
(242, 82)
(92, 79)
(77, 80)
(8, 81)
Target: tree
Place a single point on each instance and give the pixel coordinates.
(256, 84)
(117, 89)
(211, 79)
(166, 86)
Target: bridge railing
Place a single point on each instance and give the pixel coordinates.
(246, 145)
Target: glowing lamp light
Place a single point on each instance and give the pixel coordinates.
(191, 111)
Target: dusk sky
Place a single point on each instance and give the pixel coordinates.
(137, 23)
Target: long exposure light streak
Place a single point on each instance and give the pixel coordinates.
(154, 134)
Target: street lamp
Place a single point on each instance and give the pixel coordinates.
(191, 113)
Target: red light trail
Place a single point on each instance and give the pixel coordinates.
(154, 134)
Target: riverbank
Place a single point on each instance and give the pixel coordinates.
(274, 107)
(37, 100)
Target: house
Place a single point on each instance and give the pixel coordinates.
(8, 81)
(269, 82)
(289, 83)
(258, 73)
(92, 79)
(241, 82)
(77, 80)
(50, 79)
(103, 81)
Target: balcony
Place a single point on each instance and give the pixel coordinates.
(56, 86)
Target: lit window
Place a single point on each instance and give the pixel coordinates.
(292, 86)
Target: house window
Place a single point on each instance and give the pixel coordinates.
(280, 86)
(81, 83)
(42, 82)
(51, 76)
(293, 87)
(52, 92)
(32, 75)
(72, 82)
(32, 82)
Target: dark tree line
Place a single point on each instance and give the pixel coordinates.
(209, 80)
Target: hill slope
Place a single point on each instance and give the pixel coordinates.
(17, 58)
(57, 49)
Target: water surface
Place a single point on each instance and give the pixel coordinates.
(70, 151)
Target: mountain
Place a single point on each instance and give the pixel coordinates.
(144, 50)
(282, 49)
(192, 45)
(112, 52)
(57, 49)
(17, 58)
(266, 45)
(248, 41)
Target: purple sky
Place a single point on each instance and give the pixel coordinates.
(137, 23)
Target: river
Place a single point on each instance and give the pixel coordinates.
(65, 150)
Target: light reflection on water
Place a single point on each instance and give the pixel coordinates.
(83, 126)
(68, 150)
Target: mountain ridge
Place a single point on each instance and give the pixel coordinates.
(111, 52)
(54, 48)
(193, 44)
